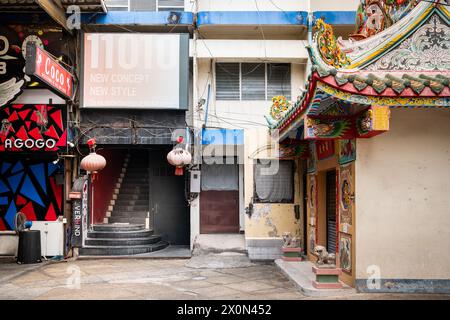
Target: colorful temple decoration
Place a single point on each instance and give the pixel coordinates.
(374, 16)
(353, 84)
(32, 187)
(329, 50)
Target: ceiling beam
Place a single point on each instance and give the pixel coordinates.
(55, 10)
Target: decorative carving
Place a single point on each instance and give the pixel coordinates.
(328, 48)
(289, 241)
(279, 107)
(374, 16)
(426, 50)
(328, 128)
(323, 257)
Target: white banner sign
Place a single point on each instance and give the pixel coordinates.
(124, 70)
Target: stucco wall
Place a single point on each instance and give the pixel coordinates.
(402, 198)
(267, 219)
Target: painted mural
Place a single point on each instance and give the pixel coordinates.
(345, 252)
(345, 194)
(312, 205)
(347, 151)
(34, 187)
(32, 128)
(312, 158)
(325, 149)
(374, 16)
(328, 128)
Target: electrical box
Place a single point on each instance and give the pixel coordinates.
(52, 237)
(195, 181)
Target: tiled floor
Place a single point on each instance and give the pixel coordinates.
(148, 279)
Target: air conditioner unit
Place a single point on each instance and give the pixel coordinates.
(52, 237)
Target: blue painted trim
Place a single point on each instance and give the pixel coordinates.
(222, 137)
(337, 17)
(441, 286)
(135, 18)
(251, 18)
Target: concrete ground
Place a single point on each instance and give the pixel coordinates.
(153, 279)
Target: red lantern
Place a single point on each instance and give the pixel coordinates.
(179, 157)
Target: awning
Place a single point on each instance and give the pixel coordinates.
(33, 5)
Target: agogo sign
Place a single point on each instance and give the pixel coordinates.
(30, 144)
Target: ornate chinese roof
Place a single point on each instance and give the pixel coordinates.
(404, 64)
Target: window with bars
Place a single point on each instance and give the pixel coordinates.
(145, 5)
(252, 81)
(274, 182)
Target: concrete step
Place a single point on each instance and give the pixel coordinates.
(129, 214)
(121, 250)
(125, 219)
(132, 208)
(122, 242)
(133, 191)
(131, 197)
(119, 234)
(123, 202)
(118, 227)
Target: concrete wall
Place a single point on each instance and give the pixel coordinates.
(403, 203)
(9, 242)
(268, 221)
(332, 5)
(238, 114)
(252, 5)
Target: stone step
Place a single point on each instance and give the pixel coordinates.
(129, 214)
(125, 219)
(122, 242)
(133, 191)
(123, 202)
(118, 227)
(131, 208)
(121, 250)
(133, 197)
(120, 234)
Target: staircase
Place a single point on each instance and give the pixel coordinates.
(121, 239)
(123, 232)
(132, 203)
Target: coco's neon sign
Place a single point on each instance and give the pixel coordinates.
(30, 143)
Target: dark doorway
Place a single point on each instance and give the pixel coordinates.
(168, 206)
(219, 199)
(331, 210)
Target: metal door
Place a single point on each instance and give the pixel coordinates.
(168, 204)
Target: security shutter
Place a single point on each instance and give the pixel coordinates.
(279, 80)
(331, 211)
(253, 81)
(227, 81)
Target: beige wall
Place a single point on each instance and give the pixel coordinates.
(403, 197)
(269, 220)
(333, 5)
(252, 5)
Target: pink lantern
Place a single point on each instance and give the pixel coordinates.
(179, 157)
(93, 162)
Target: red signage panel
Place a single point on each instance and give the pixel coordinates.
(40, 64)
